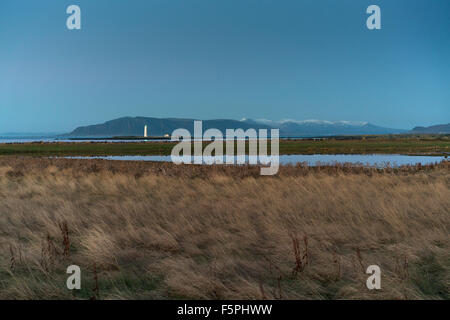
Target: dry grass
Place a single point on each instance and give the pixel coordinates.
(158, 231)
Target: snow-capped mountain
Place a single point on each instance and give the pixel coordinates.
(308, 128)
(310, 121)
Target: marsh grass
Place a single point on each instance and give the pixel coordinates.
(160, 231)
(404, 144)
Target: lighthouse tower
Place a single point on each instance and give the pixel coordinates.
(145, 131)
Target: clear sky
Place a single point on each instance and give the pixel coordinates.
(283, 59)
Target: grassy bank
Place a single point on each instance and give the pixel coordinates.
(164, 231)
(437, 145)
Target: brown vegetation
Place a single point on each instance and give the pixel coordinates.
(154, 230)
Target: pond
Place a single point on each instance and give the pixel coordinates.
(376, 160)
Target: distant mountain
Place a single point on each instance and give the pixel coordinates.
(129, 126)
(309, 128)
(437, 129)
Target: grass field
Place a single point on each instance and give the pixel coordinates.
(160, 231)
(436, 145)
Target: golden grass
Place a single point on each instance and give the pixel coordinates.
(158, 231)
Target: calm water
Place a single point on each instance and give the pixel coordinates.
(377, 160)
(29, 140)
(53, 139)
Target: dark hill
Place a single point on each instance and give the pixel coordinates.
(129, 126)
(437, 129)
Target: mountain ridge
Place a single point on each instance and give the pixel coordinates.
(134, 126)
(437, 129)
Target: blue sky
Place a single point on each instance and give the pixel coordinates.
(301, 59)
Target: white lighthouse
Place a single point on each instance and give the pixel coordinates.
(145, 131)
